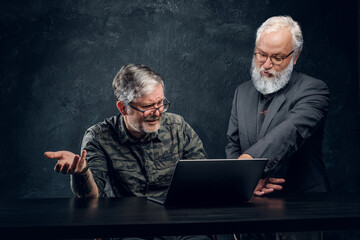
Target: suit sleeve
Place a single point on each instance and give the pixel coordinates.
(307, 114)
(233, 149)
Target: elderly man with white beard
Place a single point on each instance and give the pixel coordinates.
(280, 114)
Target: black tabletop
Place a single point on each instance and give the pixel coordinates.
(131, 216)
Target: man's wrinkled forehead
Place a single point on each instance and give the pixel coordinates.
(281, 40)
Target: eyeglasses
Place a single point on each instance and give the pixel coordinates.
(163, 108)
(275, 60)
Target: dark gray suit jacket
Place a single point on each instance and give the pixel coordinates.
(291, 135)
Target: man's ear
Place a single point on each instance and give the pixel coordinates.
(122, 108)
(297, 56)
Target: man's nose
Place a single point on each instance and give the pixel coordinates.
(268, 64)
(156, 113)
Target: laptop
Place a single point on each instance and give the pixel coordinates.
(204, 182)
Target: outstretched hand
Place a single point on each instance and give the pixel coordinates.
(68, 162)
(268, 185)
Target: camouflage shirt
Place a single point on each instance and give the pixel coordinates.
(124, 166)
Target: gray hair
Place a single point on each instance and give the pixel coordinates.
(133, 81)
(277, 23)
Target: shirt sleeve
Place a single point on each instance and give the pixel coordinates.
(193, 146)
(97, 162)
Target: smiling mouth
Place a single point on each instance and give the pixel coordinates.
(152, 120)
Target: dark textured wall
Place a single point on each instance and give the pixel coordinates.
(58, 59)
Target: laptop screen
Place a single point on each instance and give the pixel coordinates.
(213, 181)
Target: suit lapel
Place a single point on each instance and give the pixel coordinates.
(250, 115)
(274, 107)
(276, 104)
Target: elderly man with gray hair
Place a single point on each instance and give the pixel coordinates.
(280, 115)
(135, 152)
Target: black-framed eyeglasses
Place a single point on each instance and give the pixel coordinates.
(262, 58)
(151, 111)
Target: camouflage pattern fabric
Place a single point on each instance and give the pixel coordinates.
(124, 166)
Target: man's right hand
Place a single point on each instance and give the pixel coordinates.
(68, 162)
(268, 185)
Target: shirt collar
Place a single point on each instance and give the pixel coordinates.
(267, 97)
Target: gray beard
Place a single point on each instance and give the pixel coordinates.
(266, 85)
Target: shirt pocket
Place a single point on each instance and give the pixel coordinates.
(166, 161)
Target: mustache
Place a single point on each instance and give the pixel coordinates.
(152, 118)
(271, 71)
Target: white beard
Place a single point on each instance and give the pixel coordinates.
(143, 128)
(266, 85)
